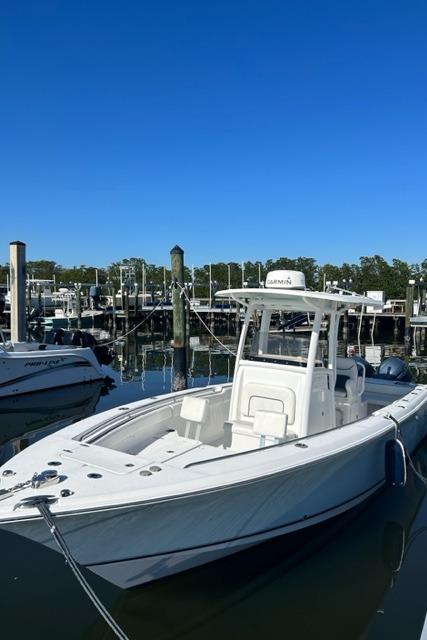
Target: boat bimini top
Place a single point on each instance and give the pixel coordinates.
(285, 290)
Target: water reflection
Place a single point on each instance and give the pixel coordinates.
(362, 575)
(207, 361)
(27, 418)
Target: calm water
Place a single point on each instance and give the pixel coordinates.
(363, 575)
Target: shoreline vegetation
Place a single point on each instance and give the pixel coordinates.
(370, 274)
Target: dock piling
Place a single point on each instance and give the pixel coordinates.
(179, 333)
(17, 290)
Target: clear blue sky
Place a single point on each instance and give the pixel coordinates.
(238, 129)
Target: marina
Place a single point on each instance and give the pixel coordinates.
(370, 552)
(213, 317)
(272, 407)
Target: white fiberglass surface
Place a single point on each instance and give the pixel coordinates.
(158, 422)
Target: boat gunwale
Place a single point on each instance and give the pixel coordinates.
(391, 427)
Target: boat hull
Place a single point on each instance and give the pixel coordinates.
(137, 543)
(28, 372)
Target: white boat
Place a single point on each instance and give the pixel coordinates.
(33, 366)
(172, 482)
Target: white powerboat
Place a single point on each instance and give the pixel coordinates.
(162, 485)
(33, 366)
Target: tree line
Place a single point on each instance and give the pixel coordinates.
(370, 273)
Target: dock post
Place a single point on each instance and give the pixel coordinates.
(78, 306)
(113, 303)
(136, 293)
(125, 298)
(395, 326)
(17, 291)
(345, 325)
(179, 337)
(409, 310)
(187, 316)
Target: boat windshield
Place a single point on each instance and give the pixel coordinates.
(283, 338)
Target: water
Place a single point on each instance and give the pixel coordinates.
(363, 575)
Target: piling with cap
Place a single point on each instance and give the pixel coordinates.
(17, 291)
(179, 333)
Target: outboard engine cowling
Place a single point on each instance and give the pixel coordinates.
(58, 336)
(103, 354)
(87, 340)
(95, 294)
(394, 368)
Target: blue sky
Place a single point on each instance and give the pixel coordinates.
(239, 130)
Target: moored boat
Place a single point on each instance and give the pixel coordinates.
(171, 482)
(35, 366)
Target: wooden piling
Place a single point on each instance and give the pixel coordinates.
(179, 333)
(17, 291)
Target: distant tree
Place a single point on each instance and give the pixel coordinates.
(41, 269)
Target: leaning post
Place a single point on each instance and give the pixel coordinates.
(17, 291)
(179, 333)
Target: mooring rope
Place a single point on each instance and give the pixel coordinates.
(164, 299)
(399, 437)
(46, 514)
(184, 293)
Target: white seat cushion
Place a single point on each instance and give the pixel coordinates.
(274, 399)
(194, 409)
(267, 423)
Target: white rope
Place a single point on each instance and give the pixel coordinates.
(399, 437)
(183, 292)
(56, 534)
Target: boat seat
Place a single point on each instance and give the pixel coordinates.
(193, 411)
(349, 388)
(348, 383)
(268, 428)
(260, 397)
(270, 425)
